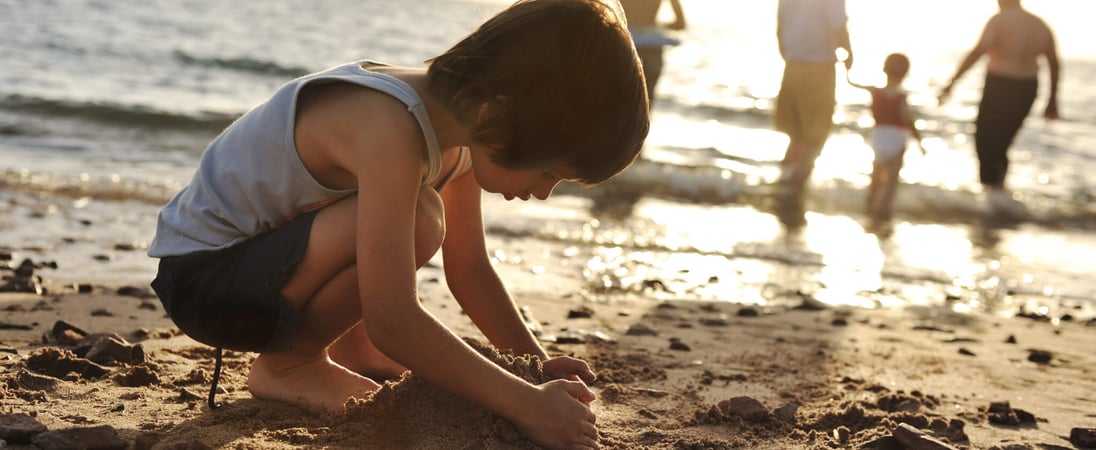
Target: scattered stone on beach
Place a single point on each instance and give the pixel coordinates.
(1039, 356)
(719, 321)
(839, 322)
(1083, 437)
(963, 351)
(787, 412)
(676, 344)
(23, 278)
(915, 439)
(582, 312)
(66, 334)
(19, 428)
(1001, 413)
(748, 311)
(640, 329)
(745, 407)
(15, 326)
(1036, 316)
(707, 378)
(134, 291)
(103, 437)
(1011, 339)
(106, 348)
(102, 312)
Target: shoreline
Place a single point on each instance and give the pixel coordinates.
(672, 374)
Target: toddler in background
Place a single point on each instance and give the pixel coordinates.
(893, 126)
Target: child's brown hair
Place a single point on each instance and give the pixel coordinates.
(561, 82)
(896, 65)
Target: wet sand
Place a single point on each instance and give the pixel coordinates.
(672, 375)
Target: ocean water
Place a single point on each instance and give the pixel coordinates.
(106, 106)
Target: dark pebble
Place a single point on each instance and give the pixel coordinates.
(1039, 356)
(20, 428)
(1083, 437)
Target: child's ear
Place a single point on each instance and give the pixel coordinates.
(486, 107)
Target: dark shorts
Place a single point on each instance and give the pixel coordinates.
(231, 298)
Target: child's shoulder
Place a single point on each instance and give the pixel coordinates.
(888, 91)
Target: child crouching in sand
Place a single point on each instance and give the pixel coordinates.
(300, 235)
(893, 125)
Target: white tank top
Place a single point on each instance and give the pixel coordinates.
(251, 179)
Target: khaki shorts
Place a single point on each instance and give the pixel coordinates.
(805, 104)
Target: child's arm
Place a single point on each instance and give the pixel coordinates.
(848, 78)
(552, 414)
(477, 287)
(911, 123)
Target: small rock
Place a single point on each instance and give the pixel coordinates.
(914, 439)
(1039, 356)
(19, 428)
(745, 407)
(133, 291)
(720, 321)
(641, 330)
(965, 352)
(748, 312)
(679, 346)
(580, 313)
(1083, 437)
(65, 333)
(787, 412)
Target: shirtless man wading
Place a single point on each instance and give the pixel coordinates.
(1014, 40)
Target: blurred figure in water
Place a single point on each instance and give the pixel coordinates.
(650, 36)
(893, 126)
(1015, 40)
(809, 33)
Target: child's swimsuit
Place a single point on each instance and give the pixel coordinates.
(890, 134)
(251, 179)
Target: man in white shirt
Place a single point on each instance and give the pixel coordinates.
(809, 33)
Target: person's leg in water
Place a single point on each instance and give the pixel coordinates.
(1005, 104)
(804, 111)
(884, 184)
(324, 289)
(798, 162)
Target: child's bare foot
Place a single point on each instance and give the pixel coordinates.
(356, 352)
(318, 385)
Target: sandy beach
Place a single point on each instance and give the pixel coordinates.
(672, 375)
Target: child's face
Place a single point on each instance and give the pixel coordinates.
(515, 183)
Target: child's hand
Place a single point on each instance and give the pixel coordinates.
(565, 367)
(554, 419)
